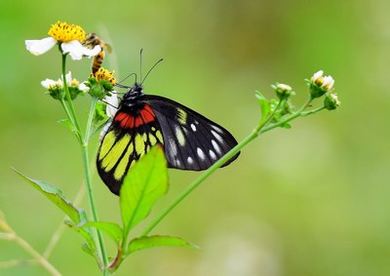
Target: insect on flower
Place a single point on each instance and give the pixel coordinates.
(190, 140)
(93, 40)
(70, 38)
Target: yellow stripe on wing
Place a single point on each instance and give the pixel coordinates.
(108, 141)
(115, 153)
(121, 168)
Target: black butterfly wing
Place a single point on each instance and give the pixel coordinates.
(127, 138)
(191, 141)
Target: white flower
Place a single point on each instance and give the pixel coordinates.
(39, 47)
(112, 104)
(317, 75)
(70, 38)
(322, 81)
(282, 90)
(76, 50)
(83, 87)
(328, 83)
(283, 87)
(52, 84)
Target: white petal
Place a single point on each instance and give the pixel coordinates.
(328, 82)
(76, 50)
(68, 78)
(41, 46)
(113, 103)
(83, 87)
(317, 75)
(105, 129)
(48, 83)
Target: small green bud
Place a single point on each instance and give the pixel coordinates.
(100, 113)
(319, 84)
(331, 101)
(101, 83)
(282, 90)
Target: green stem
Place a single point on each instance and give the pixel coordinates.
(72, 120)
(87, 177)
(199, 180)
(261, 128)
(69, 102)
(211, 170)
(70, 111)
(313, 111)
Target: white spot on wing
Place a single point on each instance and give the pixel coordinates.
(217, 129)
(172, 148)
(216, 146)
(189, 160)
(193, 127)
(212, 154)
(200, 153)
(180, 136)
(216, 135)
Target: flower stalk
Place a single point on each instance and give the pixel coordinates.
(7, 233)
(84, 142)
(264, 126)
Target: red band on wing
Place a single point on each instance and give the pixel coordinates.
(145, 116)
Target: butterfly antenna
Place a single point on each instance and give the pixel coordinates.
(151, 69)
(122, 86)
(128, 76)
(118, 93)
(140, 63)
(107, 103)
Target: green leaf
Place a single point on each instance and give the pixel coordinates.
(157, 241)
(90, 244)
(264, 105)
(112, 229)
(66, 123)
(285, 125)
(143, 185)
(100, 113)
(55, 195)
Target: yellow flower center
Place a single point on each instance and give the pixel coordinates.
(74, 83)
(64, 32)
(104, 74)
(319, 81)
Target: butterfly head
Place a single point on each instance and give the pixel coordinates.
(133, 94)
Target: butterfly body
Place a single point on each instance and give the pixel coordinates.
(190, 140)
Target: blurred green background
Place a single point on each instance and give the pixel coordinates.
(312, 200)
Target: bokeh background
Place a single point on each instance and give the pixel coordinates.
(312, 200)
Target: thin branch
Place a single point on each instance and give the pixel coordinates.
(11, 235)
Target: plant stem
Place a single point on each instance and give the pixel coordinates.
(88, 182)
(199, 180)
(211, 170)
(69, 102)
(261, 128)
(12, 236)
(84, 140)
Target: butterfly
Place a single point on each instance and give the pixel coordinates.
(190, 140)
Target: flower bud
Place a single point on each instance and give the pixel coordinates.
(320, 84)
(101, 83)
(331, 101)
(282, 90)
